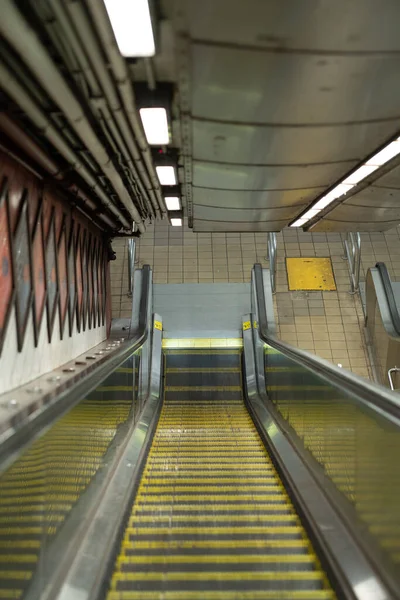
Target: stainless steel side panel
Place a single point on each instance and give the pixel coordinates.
(385, 343)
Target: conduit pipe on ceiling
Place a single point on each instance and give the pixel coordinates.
(94, 53)
(35, 152)
(26, 43)
(122, 78)
(80, 38)
(41, 121)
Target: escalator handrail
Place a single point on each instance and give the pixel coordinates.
(365, 392)
(388, 289)
(79, 386)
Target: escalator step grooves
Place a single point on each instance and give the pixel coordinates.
(211, 517)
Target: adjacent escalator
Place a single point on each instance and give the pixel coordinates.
(382, 299)
(41, 492)
(211, 517)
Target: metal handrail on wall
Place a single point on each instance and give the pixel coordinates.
(271, 256)
(131, 264)
(376, 397)
(352, 253)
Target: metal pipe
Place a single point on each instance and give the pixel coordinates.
(120, 71)
(151, 80)
(22, 139)
(20, 96)
(26, 43)
(271, 244)
(94, 52)
(352, 249)
(89, 58)
(131, 264)
(390, 377)
(35, 152)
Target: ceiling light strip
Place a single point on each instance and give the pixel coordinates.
(155, 125)
(341, 189)
(132, 26)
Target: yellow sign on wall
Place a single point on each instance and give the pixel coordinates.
(310, 274)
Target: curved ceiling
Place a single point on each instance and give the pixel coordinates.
(280, 100)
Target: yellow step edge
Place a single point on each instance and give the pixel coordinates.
(209, 508)
(222, 595)
(27, 531)
(203, 370)
(137, 519)
(19, 558)
(218, 576)
(199, 489)
(210, 461)
(203, 388)
(191, 343)
(41, 518)
(202, 500)
(224, 530)
(11, 594)
(217, 558)
(272, 479)
(214, 544)
(18, 575)
(20, 544)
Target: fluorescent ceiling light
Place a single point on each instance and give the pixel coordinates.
(155, 125)
(131, 23)
(176, 222)
(373, 163)
(299, 222)
(360, 174)
(166, 175)
(382, 157)
(311, 213)
(172, 203)
(338, 191)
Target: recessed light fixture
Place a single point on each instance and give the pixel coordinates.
(341, 189)
(172, 203)
(131, 23)
(155, 125)
(176, 222)
(166, 175)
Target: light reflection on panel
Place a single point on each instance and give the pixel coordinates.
(39, 491)
(359, 451)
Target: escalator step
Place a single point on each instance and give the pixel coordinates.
(211, 518)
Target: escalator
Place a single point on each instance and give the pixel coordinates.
(41, 488)
(211, 517)
(382, 320)
(223, 473)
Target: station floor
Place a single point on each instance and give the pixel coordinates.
(328, 323)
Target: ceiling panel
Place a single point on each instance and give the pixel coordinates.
(200, 225)
(227, 199)
(242, 214)
(307, 25)
(254, 86)
(244, 144)
(285, 98)
(242, 177)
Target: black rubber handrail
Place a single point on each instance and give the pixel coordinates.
(76, 388)
(388, 289)
(365, 392)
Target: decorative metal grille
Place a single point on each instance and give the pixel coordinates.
(52, 259)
